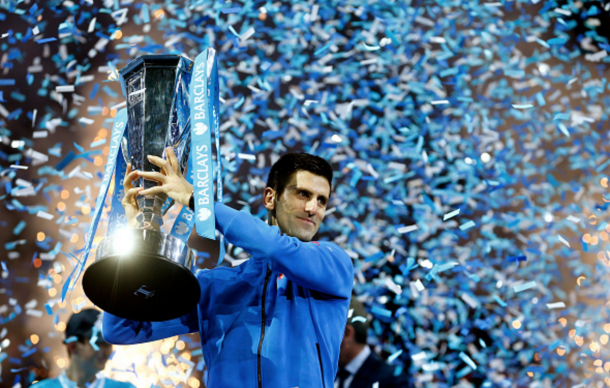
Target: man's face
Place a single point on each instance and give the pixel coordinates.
(300, 209)
(89, 359)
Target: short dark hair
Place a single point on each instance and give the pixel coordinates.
(289, 163)
(81, 324)
(358, 313)
(81, 327)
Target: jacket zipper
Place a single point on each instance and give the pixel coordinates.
(260, 343)
(321, 367)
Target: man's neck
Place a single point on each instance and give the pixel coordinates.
(78, 375)
(271, 220)
(352, 353)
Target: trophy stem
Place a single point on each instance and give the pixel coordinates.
(149, 216)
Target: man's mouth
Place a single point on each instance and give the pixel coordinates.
(306, 220)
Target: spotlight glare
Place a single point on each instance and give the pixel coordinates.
(123, 241)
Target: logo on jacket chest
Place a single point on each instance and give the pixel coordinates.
(281, 282)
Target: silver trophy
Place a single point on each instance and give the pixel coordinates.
(144, 274)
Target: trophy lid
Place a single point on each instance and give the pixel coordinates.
(153, 61)
(156, 61)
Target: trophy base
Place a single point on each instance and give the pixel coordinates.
(142, 275)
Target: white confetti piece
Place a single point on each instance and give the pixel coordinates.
(563, 241)
(467, 225)
(472, 302)
(22, 182)
(395, 288)
(243, 37)
(34, 313)
(91, 27)
(31, 304)
(46, 256)
(407, 229)
(418, 285)
(246, 156)
(525, 286)
(64, 89)
(451, 214)
(119, 105)
(437, 39)
(85, 120)
(556, 305)
(419, 356)
(468, 360)
(394, 356)
(44, 215)
(596, 57)
(369, 61)
(39, 134)
(562, 11)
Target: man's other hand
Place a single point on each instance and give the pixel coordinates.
(172, 182)
(129, 199)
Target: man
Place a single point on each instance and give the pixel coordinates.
(88, 353)
(359, 367)
(276, 320)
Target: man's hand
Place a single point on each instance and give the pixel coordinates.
(172, 182)
(129, 199)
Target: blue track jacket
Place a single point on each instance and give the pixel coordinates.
(275, 321)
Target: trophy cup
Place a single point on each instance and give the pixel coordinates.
(144, 274)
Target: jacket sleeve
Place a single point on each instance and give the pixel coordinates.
(319, 266)
(119, 331)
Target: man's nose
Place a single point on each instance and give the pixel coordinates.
(311, 206)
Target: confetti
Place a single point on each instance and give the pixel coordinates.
(460, 123)
(525, 286)
(468, 360)
(467, 225)
(563, 241)
(451, 214)
(556, 305)
(522, 106)
(407, 229)
(64, 89)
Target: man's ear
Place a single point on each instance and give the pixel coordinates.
(71, 347)
(269, 198)
(350, 333)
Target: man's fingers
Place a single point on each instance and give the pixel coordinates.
(128, 181)
(130, 194)
(154, 191)
(132, 176)
(173, 161)
(152, 176)
(164, 164)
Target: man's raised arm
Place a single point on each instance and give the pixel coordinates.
(119, 331)
(320, 266)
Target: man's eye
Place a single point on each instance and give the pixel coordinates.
(304, 194)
